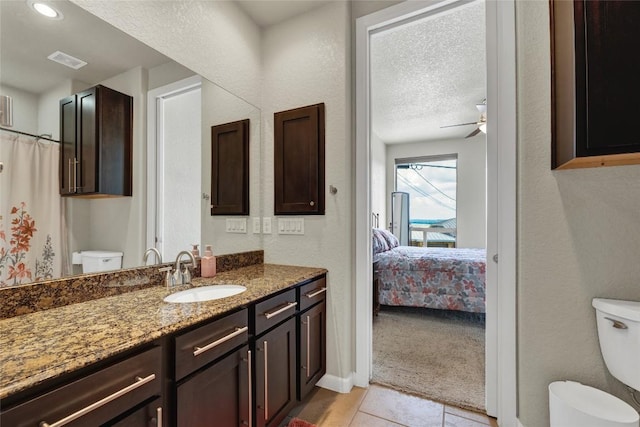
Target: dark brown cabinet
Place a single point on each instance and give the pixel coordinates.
(146, 415)
(275, 370)
(299, 161)
(595, 69)
(212, 373)
(244, 368)
(218, 395)
(111, 395)
(96, 143)
(312, 335)
(230, 168)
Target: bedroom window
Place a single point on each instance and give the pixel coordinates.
(432, 186)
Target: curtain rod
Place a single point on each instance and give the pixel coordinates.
(30, 134)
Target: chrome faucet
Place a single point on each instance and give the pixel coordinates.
(180, 276)
(148, 252)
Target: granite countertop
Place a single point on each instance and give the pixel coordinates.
(46, 344)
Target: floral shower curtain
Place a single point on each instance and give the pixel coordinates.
(30, 211)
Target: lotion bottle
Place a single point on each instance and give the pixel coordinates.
(208, 263)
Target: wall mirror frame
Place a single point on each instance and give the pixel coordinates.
(123, 224)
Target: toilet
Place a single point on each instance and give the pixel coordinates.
(96, 261)
(572, 404)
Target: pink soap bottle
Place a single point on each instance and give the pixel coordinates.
(208, 263)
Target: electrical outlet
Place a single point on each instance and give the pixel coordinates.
(256, 225)
(266, 225)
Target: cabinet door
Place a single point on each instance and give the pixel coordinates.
(218, 395)
(299, 161)
(67, 145)
(230, 168)
(275, 374)
(595, 71)
(87, 141)
(148, 415)
(313, 338)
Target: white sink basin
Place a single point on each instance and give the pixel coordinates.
(205, 293)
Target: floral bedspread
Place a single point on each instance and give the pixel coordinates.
(442, 278)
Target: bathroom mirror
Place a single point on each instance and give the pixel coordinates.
(169, 191)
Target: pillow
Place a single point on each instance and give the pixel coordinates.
(392, 241)
(379, 242)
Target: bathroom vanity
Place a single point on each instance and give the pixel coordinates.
(133, 359)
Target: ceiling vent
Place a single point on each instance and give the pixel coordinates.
(68, 60)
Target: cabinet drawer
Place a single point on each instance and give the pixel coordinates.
(312, 293)
(196, 348)
(274, 310)
(95, 398)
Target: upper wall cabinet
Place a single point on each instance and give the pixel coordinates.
(595, 83)
(299, 161)
(96, 136)
(230, 168)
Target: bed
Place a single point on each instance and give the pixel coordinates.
(440, 278)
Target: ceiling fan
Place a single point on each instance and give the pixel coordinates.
(481, 124)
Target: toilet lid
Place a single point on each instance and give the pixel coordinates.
(593, 401)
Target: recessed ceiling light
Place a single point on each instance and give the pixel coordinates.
(45, 9)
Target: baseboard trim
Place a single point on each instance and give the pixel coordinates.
(337, 384)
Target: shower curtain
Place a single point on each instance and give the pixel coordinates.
(31, 246)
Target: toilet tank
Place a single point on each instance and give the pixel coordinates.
(95, 261)
(619, 335)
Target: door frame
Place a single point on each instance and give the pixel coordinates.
(155, 145)
(501, 350)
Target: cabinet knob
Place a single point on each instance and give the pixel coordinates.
(312, 203)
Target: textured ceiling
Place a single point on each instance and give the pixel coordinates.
(427, 74)
(26, 39)
(270, 12)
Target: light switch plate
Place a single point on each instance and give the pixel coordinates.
(236, 225)
(256, 225)
(266, 225)
(291, 226)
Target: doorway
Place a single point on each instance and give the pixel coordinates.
(501, 141)
(174, 167)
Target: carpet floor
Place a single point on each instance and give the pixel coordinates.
(434, 354)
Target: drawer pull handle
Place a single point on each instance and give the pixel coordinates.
(139, 383)
(288, 305)
(308, 346)
(266, 381)
(159, 416)
(250, 387)
(316, 293)
(199, 350)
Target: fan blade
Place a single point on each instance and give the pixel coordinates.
(474, 133)
(461, 124)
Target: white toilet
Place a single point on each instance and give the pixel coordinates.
(96, 261)
(572, 404)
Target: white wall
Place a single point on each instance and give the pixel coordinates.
(213, 38)
(219, 107)
(118, 223)
(379, 180)
(306, 62)
(472, 182)
(25, 109)
(49, 108)
(578, 238)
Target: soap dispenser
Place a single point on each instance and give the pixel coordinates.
(195, 252)
(208, 263)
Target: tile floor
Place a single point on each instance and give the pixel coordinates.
(378, 406)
